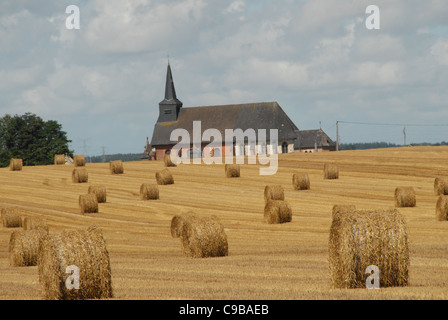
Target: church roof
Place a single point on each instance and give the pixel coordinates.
(261, 115)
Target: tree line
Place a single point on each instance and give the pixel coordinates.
(32, 139)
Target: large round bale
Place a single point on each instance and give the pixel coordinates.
(59, 159)
(405, 197)
(442, 208)
(15, 164)
(61, 255)
(80, 175)
(277, 211)
(168, 162)
(24, 247)
(204, 237)
(149, 191)
(116, 167)
(79, 160)
(273, 192)
(164, 177)
(11, 217)
(300, 181)
(360, 238)
(32, 223)
(177, 223)
(331, 171)
(232, 170)
(99, 192)
(88, 203)
(440, 186)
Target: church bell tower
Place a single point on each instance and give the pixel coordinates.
(169, 108)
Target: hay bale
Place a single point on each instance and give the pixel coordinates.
(79, 160)
(59, 159)
(88, 203)
(442, 208)
(232, 170)
(339, 210)
(274, 192)
(360, 238)
(405, 197)
(164, 177)
(32, 223)
(80, 175)
(85, 249)
(116, 167)
(177, 223)
(203, 237)
(167, 161)
(24, 247)
(149, 191)
(277, 211)
(440, 186)
(331, 171)
(99, 192)
(300, 181)
(15, 164)
(11, 217)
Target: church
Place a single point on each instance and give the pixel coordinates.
(248, 116)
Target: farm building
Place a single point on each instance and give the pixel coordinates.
(314, 141)
(248, 116)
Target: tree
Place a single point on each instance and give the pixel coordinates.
(32, 139)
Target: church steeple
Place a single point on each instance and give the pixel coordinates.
(170, 106)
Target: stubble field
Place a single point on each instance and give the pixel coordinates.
(286, 261)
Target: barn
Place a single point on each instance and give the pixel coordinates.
(247, 116)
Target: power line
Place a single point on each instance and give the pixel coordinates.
(395, 124)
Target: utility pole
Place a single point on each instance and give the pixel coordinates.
(337, 135)
(404, 134)
(103, 155)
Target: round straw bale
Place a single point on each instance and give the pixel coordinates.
(331, 171)
(88, 203)
(167, 161)
(85, 249)
(274, 192)
(15, 164)
(405, 197)
(11, 217)
(442, 208)
(80, 175)
(59, 159)
(177, 223)
(116, 167)
(300, 181)
(440, 186)
(232, 170)
(79, 160)
(360, 238)
(164, 177)
(24, 247)
(99, 192)
(149, 191)
(204, 237)
(32, 223)
(277, 211)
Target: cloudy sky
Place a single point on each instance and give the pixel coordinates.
(316, 58)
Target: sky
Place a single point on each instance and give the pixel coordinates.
(317, 58)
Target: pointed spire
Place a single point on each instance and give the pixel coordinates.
(170, 92)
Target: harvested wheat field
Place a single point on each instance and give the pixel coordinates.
(264, 261)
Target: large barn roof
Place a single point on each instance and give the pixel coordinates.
(261, 115)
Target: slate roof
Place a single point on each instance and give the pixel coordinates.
(262, 115)
(311, 138)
